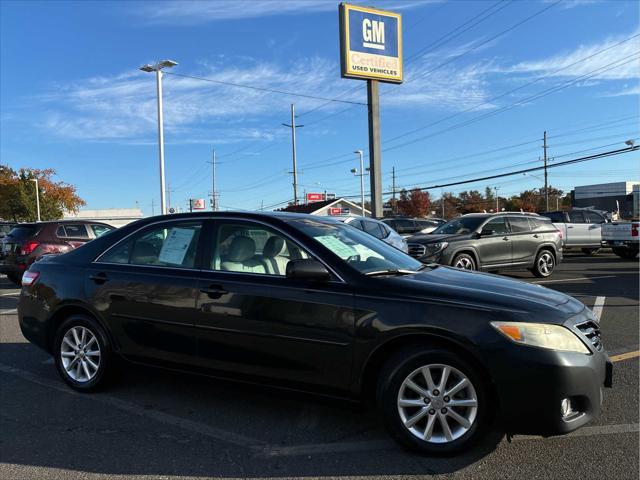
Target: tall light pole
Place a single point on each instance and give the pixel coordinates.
(495, 189)
(293, 127)
(361, 175)
(158, 69)
(37, 197)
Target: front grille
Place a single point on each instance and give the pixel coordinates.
(591, 330)
(417, 250)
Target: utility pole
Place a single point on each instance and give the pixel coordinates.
(158, 69)
(442, 202)
(153, 211)
(546, 186)
(293, 127)
(169, 198)
(361, 175)
(214, 194)
(37, 197)
(497, 199)
(393, 189)
(375, 154)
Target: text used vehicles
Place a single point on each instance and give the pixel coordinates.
(27, 242)
(580, 228)
(622, 237)
(492, 242)
(378, 229)
(309, 303)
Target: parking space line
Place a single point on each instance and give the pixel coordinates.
(597, 307)
(12, 311)
(559, 280)
(625, 356)
(195, 427)
(10, 294)
(589, 431)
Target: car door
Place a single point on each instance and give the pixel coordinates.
(577, 229)
(524, 243)
(494, 244)
(253, 320)
(146, 288)
(595, 227)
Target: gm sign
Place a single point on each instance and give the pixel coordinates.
(370, 43)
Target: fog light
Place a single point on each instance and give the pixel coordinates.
(565, 408)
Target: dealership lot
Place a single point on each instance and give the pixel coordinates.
(155, 424)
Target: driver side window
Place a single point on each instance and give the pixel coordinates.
(496, 225)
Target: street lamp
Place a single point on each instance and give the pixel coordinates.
(37, 197)
(361, 175)
(158, 69)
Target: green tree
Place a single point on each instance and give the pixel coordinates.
(18, 195)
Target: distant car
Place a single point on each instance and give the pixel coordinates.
(407, 226)
(27, 242)
(5, 227)
(378, 229)
(581, 228)
(491, 242)
(623, 238)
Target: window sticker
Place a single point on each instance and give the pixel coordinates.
(176, 245)
(337, 246)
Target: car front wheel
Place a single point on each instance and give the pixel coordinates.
(544, 265)
(432, 401)
(464, 261)
(82, 353)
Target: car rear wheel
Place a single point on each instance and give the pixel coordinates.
(544, 265)
(432, 401)
(82, 353)
(625, 252)
(464, 261)
(590, 251)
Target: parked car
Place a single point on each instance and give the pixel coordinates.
(406, 226)
(623, 238)
(580, 228)
(378, 229)
(492, 242)
(27, 242)
(306, 302)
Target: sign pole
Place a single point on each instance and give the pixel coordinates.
(375, 160)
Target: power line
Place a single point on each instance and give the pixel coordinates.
(264, 89)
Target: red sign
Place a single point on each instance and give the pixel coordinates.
(315, 197)
(198, 203)
(335, 211)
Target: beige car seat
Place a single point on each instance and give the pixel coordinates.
(272, 256)
(241, 257)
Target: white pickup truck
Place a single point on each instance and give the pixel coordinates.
(580, 228)
(623, 238)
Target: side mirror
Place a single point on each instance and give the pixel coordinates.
(486, 232)
(307, 269)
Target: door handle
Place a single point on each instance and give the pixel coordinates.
(535, 235)
(569, 226)
(214, 291)
(99, 278)
(505, 238)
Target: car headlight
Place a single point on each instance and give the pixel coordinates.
(437, 247)
(553, 337)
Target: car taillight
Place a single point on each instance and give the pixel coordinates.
(561, 235)
(634, 229)
(29, 247)
(29, 278)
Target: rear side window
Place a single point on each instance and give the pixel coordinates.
(556, 217)
(496, 225)
(23, 231)
(593, 217)
(372, 228)
(519, 224)
(540, 223)
(99, 230)
(168, 245)
(72, 231)
(576, 217)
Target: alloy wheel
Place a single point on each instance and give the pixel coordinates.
(80, 354)
(437, 403)
(545, 263)
(464, 263)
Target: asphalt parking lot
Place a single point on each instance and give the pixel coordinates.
(156, 424)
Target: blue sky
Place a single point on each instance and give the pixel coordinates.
(72, 97)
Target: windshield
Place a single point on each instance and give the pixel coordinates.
(360, 250)
(23, 231)
(459, 226)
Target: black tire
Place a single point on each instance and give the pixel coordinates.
(590, 251)
(464, 259)
(17, 279)
(405, 363)
(626, 253)
(104, 373)
(544, 257)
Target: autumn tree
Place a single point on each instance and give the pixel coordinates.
(18, 195)
(414, 203)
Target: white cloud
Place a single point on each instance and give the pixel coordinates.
(190, 12)
(565, 60)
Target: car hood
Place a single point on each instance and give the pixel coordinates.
(487, 291)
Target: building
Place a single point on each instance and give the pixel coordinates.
(609, 197)
(325, 208)
(117, 217)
